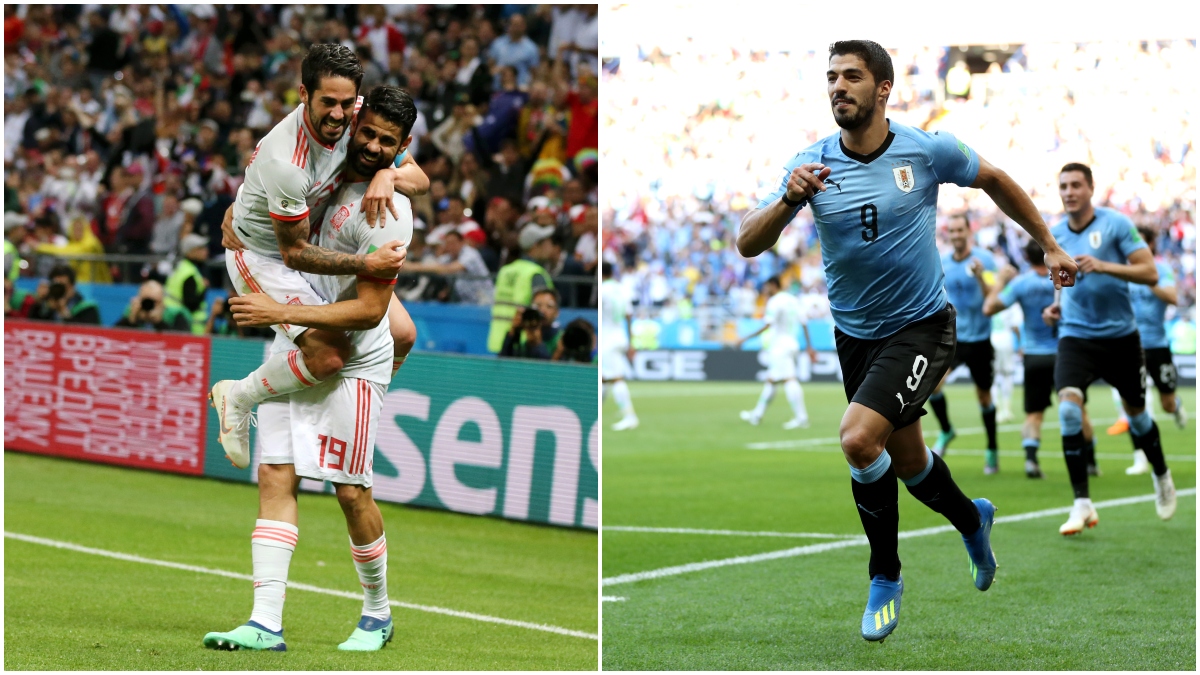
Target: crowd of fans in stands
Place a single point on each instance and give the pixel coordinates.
(128, 128)
(694, 136)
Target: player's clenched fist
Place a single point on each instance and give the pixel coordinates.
(806, 180)
(387, 261)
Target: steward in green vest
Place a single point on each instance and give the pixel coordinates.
(186, 286)
(14, 233)
(517, 281)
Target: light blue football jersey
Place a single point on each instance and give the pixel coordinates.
(1098, 305)
(1149, 311)
(966, 296)
(1035, 292)
(876, 224)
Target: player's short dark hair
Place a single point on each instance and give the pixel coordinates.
(1081, 168)
(62, 270)
(774, 280)
(547, 291)
(878, 61)
(394, 105)
(329, 60)
(606, 269)
(1035, 254)
(1148, 233)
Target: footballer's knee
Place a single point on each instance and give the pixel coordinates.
(404, 331)
(325, 352)
(353, 499)
(860, 446)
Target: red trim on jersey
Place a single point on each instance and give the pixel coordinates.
(377, 280)
(356, 447)
(291, 358)
(312, 132)
(296, 149)
(354, 119)
(289, 219)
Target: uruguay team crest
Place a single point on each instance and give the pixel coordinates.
(904, 178)
(1094, 239)
(340, 217)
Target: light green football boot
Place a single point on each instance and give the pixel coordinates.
(250, 636)
(370, 636)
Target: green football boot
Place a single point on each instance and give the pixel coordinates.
(250, 636)
(370, 636)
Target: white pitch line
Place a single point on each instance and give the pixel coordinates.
(826, 445)
(612, 598)
(965, 431)
(298, 586)
(846, 543)
(728, 533)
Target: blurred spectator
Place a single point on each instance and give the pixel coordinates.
(546, 302)
(61, 302)
(148, 311)
(17, 303)
(515, 49)
(185, 288)
(578, 342)
(518, 280)
(81, 241)
(524, 336)
(14, 234)
(458, 258)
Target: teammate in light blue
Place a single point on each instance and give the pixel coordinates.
(1034, 291)
(1098, 337)
(970, 273)
(1150, 308)
(873, 191)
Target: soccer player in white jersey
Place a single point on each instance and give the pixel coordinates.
(294, 170)
(615, 311)
(783, 316)
(327, 432)
(1006, 336)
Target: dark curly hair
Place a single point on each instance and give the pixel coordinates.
(329, 60)
(394, 105)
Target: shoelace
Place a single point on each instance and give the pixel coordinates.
(252, 418)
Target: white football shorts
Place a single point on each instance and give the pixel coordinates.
(781, 364)
(327, 431)
(614, 365)
(253, 273)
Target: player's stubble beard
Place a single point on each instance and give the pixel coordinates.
(853, 122)
(319, 125)
(365, 167)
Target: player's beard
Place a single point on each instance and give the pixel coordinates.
(851, 122)
(365, 166)
(319, 125)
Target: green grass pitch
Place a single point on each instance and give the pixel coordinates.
(1120, 596)
(68, 610)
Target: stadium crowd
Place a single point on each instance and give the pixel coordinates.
(128, 128)
(696, 135)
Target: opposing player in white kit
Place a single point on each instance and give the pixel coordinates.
(615, 311)
(294, 170)
(1006, 337)
(327, 432)
(784, 317)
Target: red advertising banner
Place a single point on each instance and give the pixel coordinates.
(105, 395)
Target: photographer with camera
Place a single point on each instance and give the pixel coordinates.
(525, 338)
(62, 303)
(578, 342)
(148, 311)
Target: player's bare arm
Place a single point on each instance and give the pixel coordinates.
(760, 331)
(992, 304)
(1016, 204)
(979, 272)
(408, 179)
(761, 227)
(808, 344)
(1139, 270)
(302, 256)
(361, 313)
(1167, 294)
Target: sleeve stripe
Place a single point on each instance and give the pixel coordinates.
(290, 219)
(377, 280)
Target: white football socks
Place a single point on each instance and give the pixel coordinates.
(371, 562)
(795, 396)
(283, 373)
(271, 548)
(764, 399)
(621, 396)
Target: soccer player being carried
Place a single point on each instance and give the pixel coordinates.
(327, 432)
(969, 277)
(1098, 336)
(615, 310)
(1150, 307)
(294, 170)
(873, 192)
(1034, 292)
(783, 316)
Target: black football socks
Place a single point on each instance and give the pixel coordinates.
(876, 496)
(935, 488)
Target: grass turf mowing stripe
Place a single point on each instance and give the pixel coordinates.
(612, 598)
(831, 546)
(727, 533)
(298, 586)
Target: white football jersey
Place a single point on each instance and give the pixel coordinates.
(784, 314)
(615, 309)
(291, 176)
(344, 229)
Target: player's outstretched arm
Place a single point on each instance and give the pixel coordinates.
(1139, 270)
(760, 331)
(362, 313)
(761, 227)
(408, 179)
(302, 256)
(1167, 294)
(1016, 204)
(992, 304)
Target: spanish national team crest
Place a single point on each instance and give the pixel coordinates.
(904, 178)
(1094, 239)
(340, 217)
